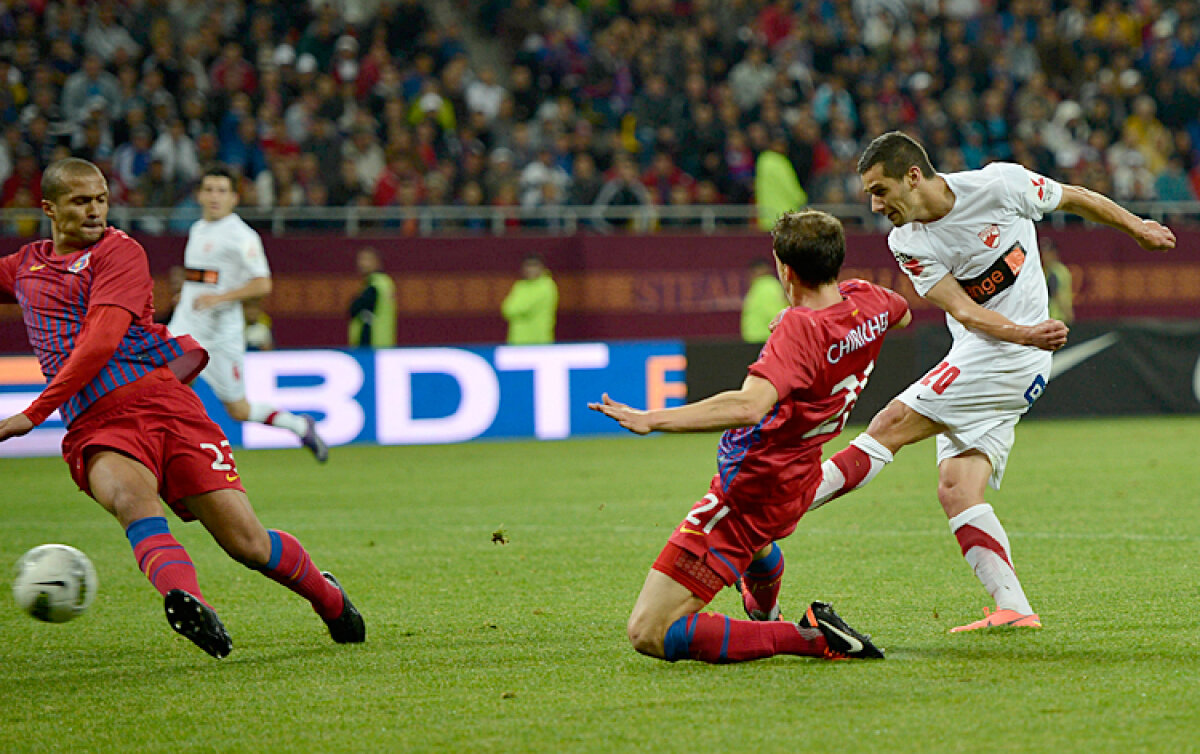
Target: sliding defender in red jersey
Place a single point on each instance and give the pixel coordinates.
(796, 398)
(136, 434)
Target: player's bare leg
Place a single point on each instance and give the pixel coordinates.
(661, 603)
(304, 427)
(895, 426)
(666, 623)
(962, 481)
(129, 491)
(231, 520)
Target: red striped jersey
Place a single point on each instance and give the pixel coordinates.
(55, 293)
(819, 361)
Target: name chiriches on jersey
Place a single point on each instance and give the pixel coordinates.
(859, 336)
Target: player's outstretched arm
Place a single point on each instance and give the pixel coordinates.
(103, 329)
(732, 408)
(254, 288)
(947, 293)
(15, 426)
(1150, 235)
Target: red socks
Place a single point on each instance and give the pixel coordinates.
(711, 637)
(291, 566)
(762, 580)
(162, 558)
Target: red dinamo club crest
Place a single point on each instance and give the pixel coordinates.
(990, 236)
(913, 266)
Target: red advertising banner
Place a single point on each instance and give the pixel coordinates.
(448, 290)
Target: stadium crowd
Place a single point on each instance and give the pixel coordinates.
(625, 102)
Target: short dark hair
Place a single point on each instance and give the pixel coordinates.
(54, 178)
(220, 171)
(812, 243)
(897, 152)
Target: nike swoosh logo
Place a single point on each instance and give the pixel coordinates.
(59, 584)
(231, 477)
(855, 644)
(36, 267)
(1069, 358)
(686, 530)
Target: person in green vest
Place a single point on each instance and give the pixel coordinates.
(777, 189)
(373, 311)
(763, 302)
(531, 307)
(1058, 282)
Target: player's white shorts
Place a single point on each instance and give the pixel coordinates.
(979, 394)
(225, 372)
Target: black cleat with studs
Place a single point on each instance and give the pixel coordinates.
(347, 628)
(190, 617)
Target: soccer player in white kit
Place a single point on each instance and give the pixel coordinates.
(968, 243)
(224, 266)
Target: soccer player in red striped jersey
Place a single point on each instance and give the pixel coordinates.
(796, 398)
(136, 434)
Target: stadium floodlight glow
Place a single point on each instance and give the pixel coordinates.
(476, 410)
(337, 378)
(551, 366)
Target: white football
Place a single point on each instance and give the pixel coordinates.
(55, 583)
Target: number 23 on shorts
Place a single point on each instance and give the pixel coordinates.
(940, 377)
(703, 517)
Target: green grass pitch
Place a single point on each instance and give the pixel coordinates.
(475, 645)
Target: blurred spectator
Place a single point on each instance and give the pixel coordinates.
(664, 176)
(373, 310)
(106, 38)
(131, 160)
(257, 332)
(585, 181)
(764, 301)
(1172, 183)
(231, 72)
(176, 275)
(531, 307)
(622, 189)
(776, 187)
(484, 95)
(178, 154)
(90, 83)
(750, 78)
(1058, 282)
(159, 189)
(25, 226)
(537, 174)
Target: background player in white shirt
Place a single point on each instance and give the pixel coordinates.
(224, 266)
(968, 243)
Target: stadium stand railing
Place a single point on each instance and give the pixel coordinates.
(560, 220)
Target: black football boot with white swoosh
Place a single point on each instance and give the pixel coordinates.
(843, 642)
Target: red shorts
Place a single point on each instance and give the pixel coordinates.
(714, 545)
(162, 425)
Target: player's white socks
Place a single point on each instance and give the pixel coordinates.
(264, 414)
(851, 468)
(985, 546)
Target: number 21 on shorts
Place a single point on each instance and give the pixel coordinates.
(702, 515)
(940, 377)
